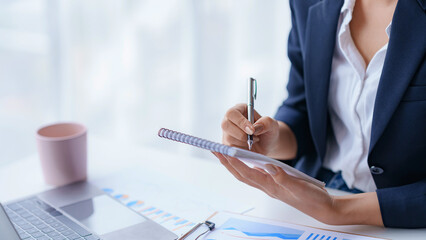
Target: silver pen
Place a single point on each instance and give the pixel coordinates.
(252, 92)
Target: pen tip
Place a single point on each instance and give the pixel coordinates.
(250, 144)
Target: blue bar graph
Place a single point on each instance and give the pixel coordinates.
(181, 222)
(107, 190)
(255, 229)
(149, 209)
(133, 203)
(168, 220)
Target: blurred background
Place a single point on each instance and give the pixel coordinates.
(126, 68)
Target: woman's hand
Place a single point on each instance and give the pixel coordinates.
(270, 137)
(306, 197)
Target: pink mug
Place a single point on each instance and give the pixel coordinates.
(62, 149)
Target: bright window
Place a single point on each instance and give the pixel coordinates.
(126, 68)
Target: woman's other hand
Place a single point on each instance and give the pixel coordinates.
(307, 197)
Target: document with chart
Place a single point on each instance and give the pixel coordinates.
(231, 226)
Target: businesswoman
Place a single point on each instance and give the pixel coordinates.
(355, 116)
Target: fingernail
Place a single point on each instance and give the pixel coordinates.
(258, 128)
(249, 130)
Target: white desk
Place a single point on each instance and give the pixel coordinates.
(24, 177)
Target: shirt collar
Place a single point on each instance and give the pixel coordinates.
(388, 29)
(348, 5)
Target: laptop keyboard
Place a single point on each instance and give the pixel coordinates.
(34, 219)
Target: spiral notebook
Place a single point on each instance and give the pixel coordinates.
(246, 156)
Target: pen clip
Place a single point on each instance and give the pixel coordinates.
(255, 88)
(208, 224)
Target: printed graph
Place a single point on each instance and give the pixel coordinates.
(242, 229)
(168, 220)
(238, 227)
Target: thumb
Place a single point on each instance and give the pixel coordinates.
(263, 125)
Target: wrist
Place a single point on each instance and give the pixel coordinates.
(357, 209)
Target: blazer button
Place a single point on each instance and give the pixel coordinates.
(376, 170)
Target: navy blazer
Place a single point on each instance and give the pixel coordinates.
(397, 153)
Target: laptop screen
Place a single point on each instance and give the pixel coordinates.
(7, 231)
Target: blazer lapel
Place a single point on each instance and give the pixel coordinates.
(320, 42)
(405, 53)
(422, 4)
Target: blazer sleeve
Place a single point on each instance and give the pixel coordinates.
(403, 206)
(293, 110)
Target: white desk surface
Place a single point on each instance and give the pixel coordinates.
(24, 177)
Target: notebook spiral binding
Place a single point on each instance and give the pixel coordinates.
(198, 142)
(242, 154)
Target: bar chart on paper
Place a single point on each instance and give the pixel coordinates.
(241, 229)
(163, 199)
(168, 220)
(237, 227)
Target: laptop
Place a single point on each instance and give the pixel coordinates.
(76, 211)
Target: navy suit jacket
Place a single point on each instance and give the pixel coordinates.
(397, 153)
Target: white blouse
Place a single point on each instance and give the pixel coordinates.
(351, 98)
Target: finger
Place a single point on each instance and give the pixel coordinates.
(270, 188)
(248, 181)
(274, 188)
(280, 176)
(256, 116)
(243, 109)
(230, 128)
(224, 162)
(260, 170)
(256, 176)
(236, 174)
(263, 125)
(235, 115)
(231, 141)
(219, 156)
(248, 173)
(292, 184)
